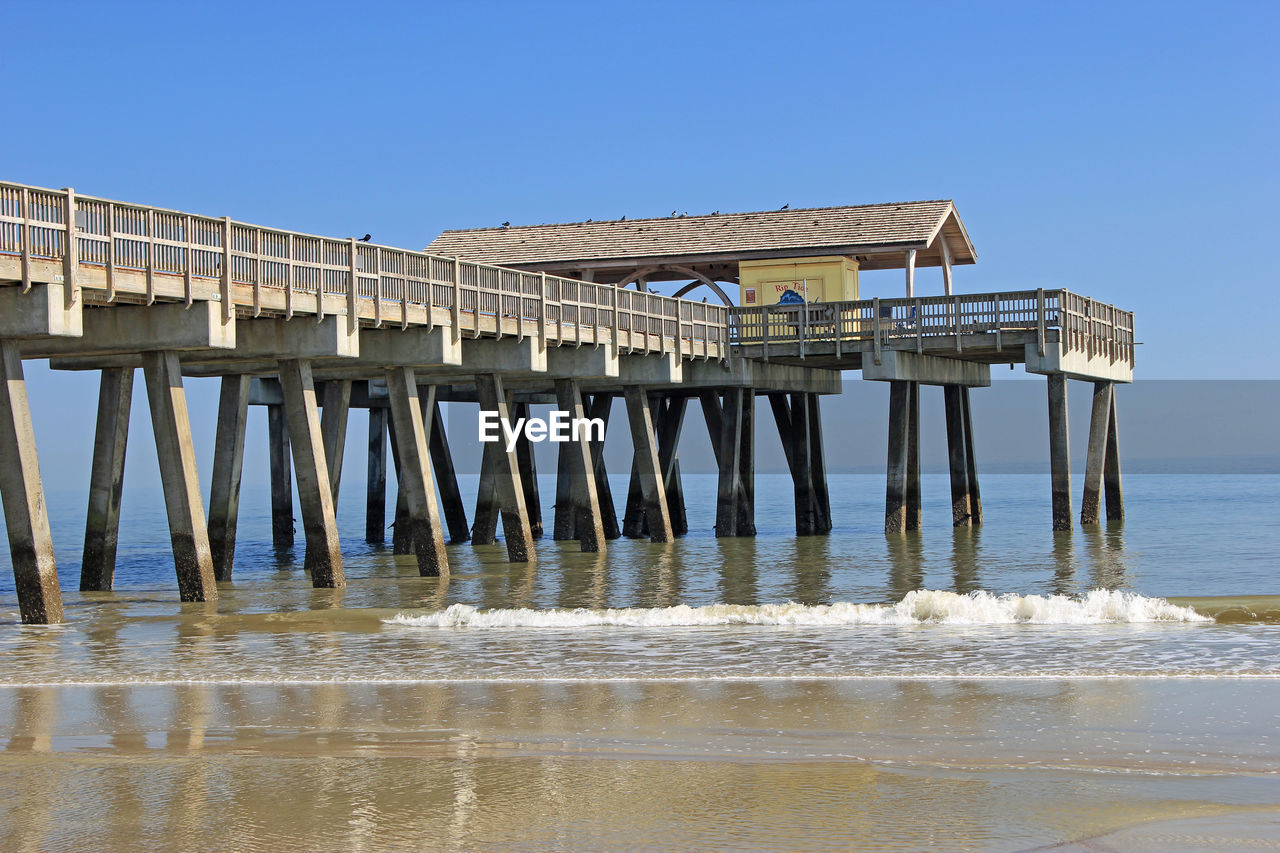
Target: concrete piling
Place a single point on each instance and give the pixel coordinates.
(35, 573)
(282, 527)
(375, 513)
(192, 558)
(335, 406)
(228, 463)
(1095, 460)
(1059, 451)
(529, 475)
(601, 405)
(1112, 487)
(455, 512)
(957, 456)
(106, 479)
(895, 499)
(584, 500)
(508, 490)
(971, 461)
(416, 478)
(647, 463)
(913, 510)
(315, 494)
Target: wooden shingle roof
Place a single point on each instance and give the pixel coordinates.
(883, 232)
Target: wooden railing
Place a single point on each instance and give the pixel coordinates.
(251, 268)
(1094, 328)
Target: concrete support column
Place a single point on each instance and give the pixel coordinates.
(190, 536)
(746, 525)
(336, 405)
(601, 407)
(1095, 461)
(484, 524)
(1059, 452)
(401, 526)
(975, 493)
(957, 456)
(732, 437)
(508, 489)
(282, 527)
(529, 475)
(800, 431)
(913, 460)
(583, 498)
(818, 463)
(228, 463)
(895, 498)
(106, 479)
(35, 574)
(640, 419)
(1111, 470)
(455, 512)
(669, 426)
(375, 502)
(417, 482)
(562, 524)
(315, 494)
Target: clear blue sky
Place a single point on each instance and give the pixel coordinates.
(1128, 153)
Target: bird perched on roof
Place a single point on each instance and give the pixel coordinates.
(715, 213)
(673, 213)
(623, 219)
(366, 238)
(507, 224)
(785, 206)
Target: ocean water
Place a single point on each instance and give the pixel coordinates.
(1000, 688)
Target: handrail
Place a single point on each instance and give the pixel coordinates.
(247, 265)
(1085, 325)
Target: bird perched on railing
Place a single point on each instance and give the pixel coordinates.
(366, 238)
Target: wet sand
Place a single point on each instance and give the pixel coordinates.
(665, 765)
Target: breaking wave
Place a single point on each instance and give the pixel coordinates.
(916, 608)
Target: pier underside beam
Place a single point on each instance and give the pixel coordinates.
(228, 464)
(131, 329)
(647, 463)
(416, 479)
(106, 480)
(315, 495)
(585, 520)
(507, 487)
(455, 512)
(966, 505)
(172, 425)
(375, 501)
(1059, 452)
(800, 430)
(35, 574)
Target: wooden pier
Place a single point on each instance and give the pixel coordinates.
(310, 327)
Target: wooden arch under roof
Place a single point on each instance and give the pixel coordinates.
(707, 249)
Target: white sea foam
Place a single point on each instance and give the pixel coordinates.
(919, 607)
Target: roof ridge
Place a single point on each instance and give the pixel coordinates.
(509, 228)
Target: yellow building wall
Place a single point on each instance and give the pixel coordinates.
(826, 279)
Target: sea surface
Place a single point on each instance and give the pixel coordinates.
(1003, 688)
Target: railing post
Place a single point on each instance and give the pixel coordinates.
(187, 295)
(111, 253)
(71, 257)
(151, 256)
(875, 329)
(1040, 320)
(956, 308)
(288, 278)
(224, 290)
(353, 319)
(542, 310)
(455, 311)
(26, 244)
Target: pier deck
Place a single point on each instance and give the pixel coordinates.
(330, 324)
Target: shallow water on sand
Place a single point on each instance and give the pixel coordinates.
(1007, 688)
